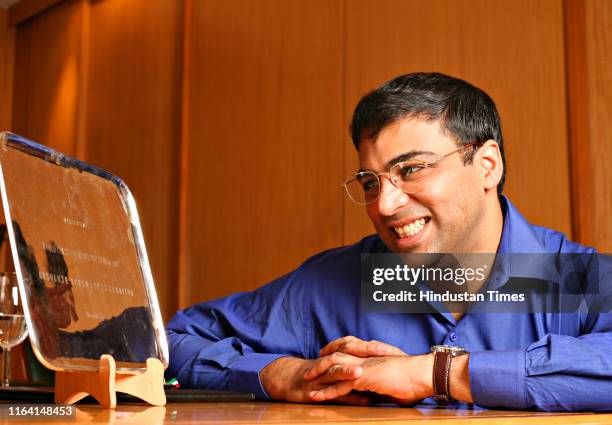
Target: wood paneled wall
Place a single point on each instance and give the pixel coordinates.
(523, 71)
(265, 141)
(7, 54)
(132, 118)
(47, 74)
(7, 57)
(599, 78)
(229, 119)
(113, 98)
(589, 80)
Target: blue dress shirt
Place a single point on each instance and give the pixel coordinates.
(548, 361)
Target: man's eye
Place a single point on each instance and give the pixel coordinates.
(409, 170)
(369, 184)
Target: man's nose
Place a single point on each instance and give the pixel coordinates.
(391, 198)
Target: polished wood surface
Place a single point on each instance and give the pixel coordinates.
(512, 50)
(281, 413)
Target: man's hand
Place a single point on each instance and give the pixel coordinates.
(283, 379)
(405, 379)
(360, 348)
(349, 365)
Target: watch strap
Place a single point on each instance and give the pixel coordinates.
(441, 377)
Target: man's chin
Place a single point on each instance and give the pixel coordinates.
(420, 248)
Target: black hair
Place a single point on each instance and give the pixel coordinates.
(466, 112)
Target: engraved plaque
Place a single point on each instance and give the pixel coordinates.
(80, 259)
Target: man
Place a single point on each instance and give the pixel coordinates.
(432, 172)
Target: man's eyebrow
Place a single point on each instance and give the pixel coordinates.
(404, 157)
(409, 155)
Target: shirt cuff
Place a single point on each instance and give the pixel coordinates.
(244, 375)
(497, 378)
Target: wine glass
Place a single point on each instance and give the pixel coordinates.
(12, 321)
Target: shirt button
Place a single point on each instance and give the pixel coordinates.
(453, 336)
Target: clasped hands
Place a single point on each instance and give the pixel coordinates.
(348, 371)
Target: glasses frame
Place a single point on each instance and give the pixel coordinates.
(393, 179)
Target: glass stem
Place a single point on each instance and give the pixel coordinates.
(5, 367)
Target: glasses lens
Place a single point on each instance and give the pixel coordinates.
(410, 177)
(363, 188)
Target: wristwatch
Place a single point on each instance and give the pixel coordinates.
(443, 355)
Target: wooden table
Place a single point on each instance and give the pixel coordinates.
(283, 413)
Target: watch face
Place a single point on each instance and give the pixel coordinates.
(453, 350)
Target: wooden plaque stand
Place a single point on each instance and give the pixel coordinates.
(104, 383)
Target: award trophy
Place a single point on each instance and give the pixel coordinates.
(84, 277)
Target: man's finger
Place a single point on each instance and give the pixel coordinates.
(333, 346)
(360, 348)
(386, 349)
(340, 373)
(333, 391)
(326, 362)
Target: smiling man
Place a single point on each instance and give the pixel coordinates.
(436, 204)
(431, 176)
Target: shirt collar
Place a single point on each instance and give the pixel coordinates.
(521, 253)
(518, 235)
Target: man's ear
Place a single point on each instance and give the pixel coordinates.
(488, 159)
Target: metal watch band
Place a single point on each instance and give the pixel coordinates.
(441, 376)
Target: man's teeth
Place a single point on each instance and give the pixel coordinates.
(410, 229)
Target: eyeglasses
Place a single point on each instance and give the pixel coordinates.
(412, 176)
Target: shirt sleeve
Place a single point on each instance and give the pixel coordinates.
(224, 344)
(566, 373)
(557, 372)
